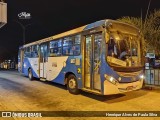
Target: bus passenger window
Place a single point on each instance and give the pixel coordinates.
(68, 50)
(76, 49)
(34, 51)
(77, 43)
(55, 48)
(27, 52)
(71, 45)
(55, 52)
(67, 46)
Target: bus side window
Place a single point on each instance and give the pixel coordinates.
(34, 51)
(55, 48)
(71, 45)
(76, 49)
(77, 44)
(67, 46)
(27, 52)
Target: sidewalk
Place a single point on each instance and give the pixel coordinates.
(151, 87)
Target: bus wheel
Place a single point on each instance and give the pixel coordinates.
(72, 85)
(30, 75)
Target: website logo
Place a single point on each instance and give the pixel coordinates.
(6, 114)
(24, 15)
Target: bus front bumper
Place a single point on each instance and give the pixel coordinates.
(110, 88)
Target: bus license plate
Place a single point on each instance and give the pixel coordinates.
(129, 88)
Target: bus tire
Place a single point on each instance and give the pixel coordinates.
(30, 74)
(72, 85)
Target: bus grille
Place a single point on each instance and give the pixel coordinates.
(132, 74)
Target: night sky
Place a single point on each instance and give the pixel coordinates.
(50, 17)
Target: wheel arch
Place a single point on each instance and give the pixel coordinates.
(67, 75)
(29, 68)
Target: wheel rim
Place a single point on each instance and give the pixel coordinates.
(30, 74)
(72, 83)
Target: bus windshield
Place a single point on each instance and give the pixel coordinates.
(123, 50)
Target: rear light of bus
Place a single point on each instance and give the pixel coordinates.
(24, 65)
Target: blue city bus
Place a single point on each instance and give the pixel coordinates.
(103, 57)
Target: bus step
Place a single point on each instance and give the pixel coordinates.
(92, 91)
(43, 79)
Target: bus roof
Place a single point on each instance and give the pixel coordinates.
(74, 31)
(71, 32)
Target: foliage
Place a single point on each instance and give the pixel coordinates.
(150, 28)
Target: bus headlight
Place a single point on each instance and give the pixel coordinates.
(141, 76)
(110, 79)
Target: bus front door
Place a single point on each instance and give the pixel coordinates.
(43, 60)
(92, 61)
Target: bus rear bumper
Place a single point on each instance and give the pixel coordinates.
(110, 88)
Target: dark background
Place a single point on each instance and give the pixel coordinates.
(50, 17)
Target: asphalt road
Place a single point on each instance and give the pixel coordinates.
(17, 93)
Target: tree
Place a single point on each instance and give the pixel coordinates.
(150, 28)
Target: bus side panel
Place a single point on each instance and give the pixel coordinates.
(54, 69)
(32, 63)
(105, 69)
(59, 66)
(74, 65)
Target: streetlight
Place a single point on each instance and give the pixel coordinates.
(24, 29)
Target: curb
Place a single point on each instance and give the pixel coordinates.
(151, 87)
